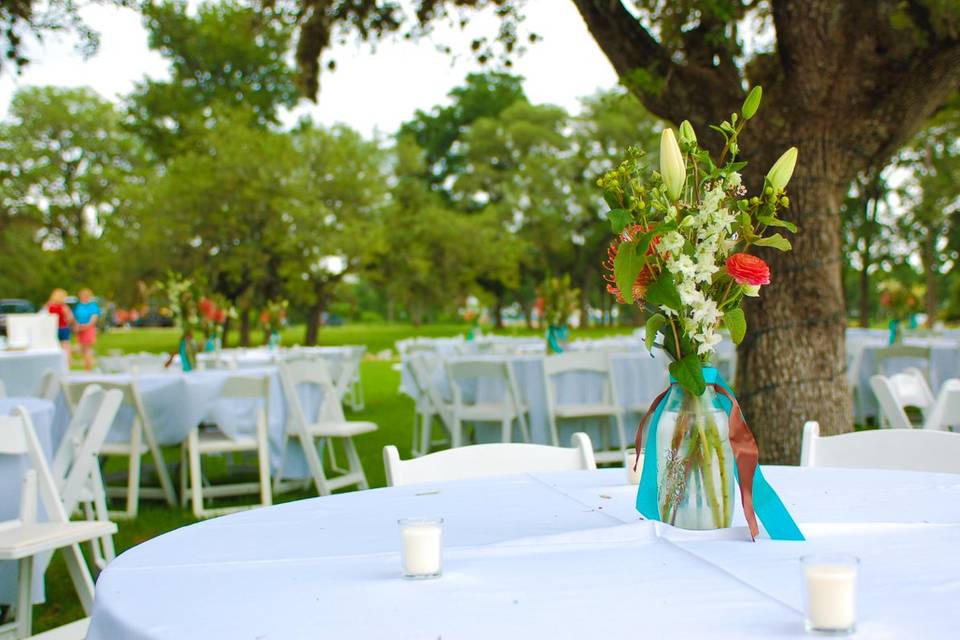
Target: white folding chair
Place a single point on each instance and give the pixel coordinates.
(594, 363)
(26, 537)
(76, 469)
(141, 442)
(506, 411)
(897, 392)
(3, 389)
(854, 361)
(902, 354)
(214, 441)
(945, 413)
(482, 460)
(899, 449)
(329, 426)
(49, 385)
(354, 386)
(429, 405)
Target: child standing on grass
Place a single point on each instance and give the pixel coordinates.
(57, 305)
(87, 313)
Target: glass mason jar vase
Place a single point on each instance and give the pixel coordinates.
(695, 481)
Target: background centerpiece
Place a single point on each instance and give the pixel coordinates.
(681, 253)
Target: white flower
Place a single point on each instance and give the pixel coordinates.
(672, 243)
(733, 180)
(705, 313)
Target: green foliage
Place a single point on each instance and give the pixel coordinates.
(688, 373)
(223, 56)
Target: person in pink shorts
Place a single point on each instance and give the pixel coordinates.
(86, 314)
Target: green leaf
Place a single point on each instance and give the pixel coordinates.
(776, 241)
(663, 291)
(770, 221)
(736, 323)
(689, 374)
(626, 267)
(654, 324)
(611, 198)
(619, 219)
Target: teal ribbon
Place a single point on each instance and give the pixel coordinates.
(555, 336)
(768, 506)
(185, 363)
(894, 328)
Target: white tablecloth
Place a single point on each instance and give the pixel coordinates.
(638, 376)
(944, 364)
(176, 402)
(42, 412)
(559, 555)
(22, 371)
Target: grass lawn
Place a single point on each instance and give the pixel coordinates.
(384, 406)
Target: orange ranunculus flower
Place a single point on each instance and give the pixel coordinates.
(747, 269)
(646, 275)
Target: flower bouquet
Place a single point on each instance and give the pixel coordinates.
(681, 252)
(182, 301)
(213, 318)
(273, 318)
(902, 303)
(558, 301)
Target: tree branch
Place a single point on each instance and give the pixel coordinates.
(668, 89)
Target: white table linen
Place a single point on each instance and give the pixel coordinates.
(177, 402)
(12, 468)
(638, 376)
(22, 371)
(561, 555)
(944, 364)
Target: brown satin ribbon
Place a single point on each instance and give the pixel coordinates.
(745, 451)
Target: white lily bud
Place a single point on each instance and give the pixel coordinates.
(672, 167)
(782, 170)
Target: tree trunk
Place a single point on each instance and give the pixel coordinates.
(245, 327)
(498, 311)
(790, 367)
(930, 268)
(391, 310)
(314, 318)
(585, 302)
(864, 300)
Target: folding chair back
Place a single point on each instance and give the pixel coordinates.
(892, 413)
(945, 413)
(898, 449)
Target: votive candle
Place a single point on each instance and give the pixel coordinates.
(629, 457)
(830, 587)
(421, 552)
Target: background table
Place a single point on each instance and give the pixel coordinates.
(545, 555)
(638, 376)
(22, 371)
(43, 413)
(177, 402)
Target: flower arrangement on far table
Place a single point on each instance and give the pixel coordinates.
(558, 301)
(213, 318)
(902, 303)
(182, 300)
(273, 318)
(682, 253)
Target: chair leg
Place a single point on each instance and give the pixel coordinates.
(554, 433)
(196, 484)
(457, 434)
(184, 475)
(354, 463)
(278, 478)
(133, 476)
(263, 458)
(414, 446)
(100, 507)
(162, 472)
(506, 430)
(621, 431)
(80, 575)
(24, 621)
(316, 466)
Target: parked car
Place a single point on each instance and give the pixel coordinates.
(153, 318)
(13, 305)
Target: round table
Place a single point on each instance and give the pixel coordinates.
(22, 371)
(43, 414)
(560, 555)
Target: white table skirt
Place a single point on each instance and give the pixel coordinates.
(42, 413)
(177, 402)
(638, 377)
(22, 371)
(560, 555)
(944, 364)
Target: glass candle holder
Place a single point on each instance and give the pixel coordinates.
(421, 556)
(629, 457)
(830, 593)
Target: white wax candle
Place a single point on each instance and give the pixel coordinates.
(633, 477)
(831, 596)
(421, 549)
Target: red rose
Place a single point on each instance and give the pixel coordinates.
(221, 316)
(747, 269)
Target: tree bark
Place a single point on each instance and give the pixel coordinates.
(790, 367)
(314, 318)
(498, 311)
(930, 268)
(245, 327)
